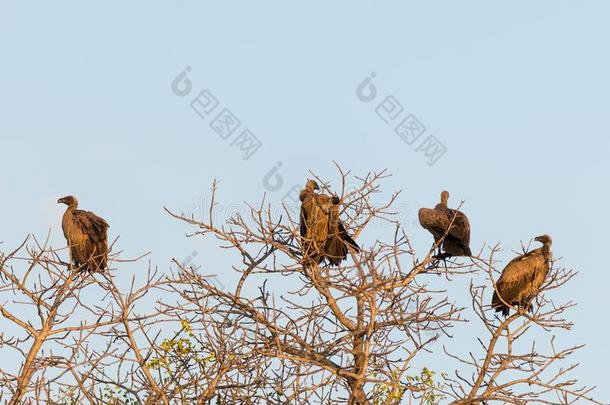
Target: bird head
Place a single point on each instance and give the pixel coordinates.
(444, 197)
(544, 239)
(312, 185)
(69, 200)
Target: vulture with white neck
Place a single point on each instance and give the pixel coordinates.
(522, 278)
(438, 220)
(323, 235)
(87, 237)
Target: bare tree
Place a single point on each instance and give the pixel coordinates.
(352, 333)
(284, 332)
(514, 369)
(46, 314)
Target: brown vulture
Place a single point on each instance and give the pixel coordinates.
(522, 277)
(437, 221)
(86, 234)
(323, 235)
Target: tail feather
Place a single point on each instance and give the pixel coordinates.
(348, 239)
(336, 251)
(337, 246)
(499, 306)
(99, 258)
(455, 247)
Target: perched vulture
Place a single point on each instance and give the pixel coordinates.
(322, 232)
(437, 221)
(87, 238)
(522, 277)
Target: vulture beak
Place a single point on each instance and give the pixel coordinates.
(313, 184)
(61, 200)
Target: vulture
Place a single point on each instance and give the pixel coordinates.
(323, 235)
(86, 234)
(437, 221)
(522, 278)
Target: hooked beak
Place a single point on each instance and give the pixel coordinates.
(544, 239)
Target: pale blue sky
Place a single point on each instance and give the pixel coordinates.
(518, 93)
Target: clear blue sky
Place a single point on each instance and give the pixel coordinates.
(517, 93)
